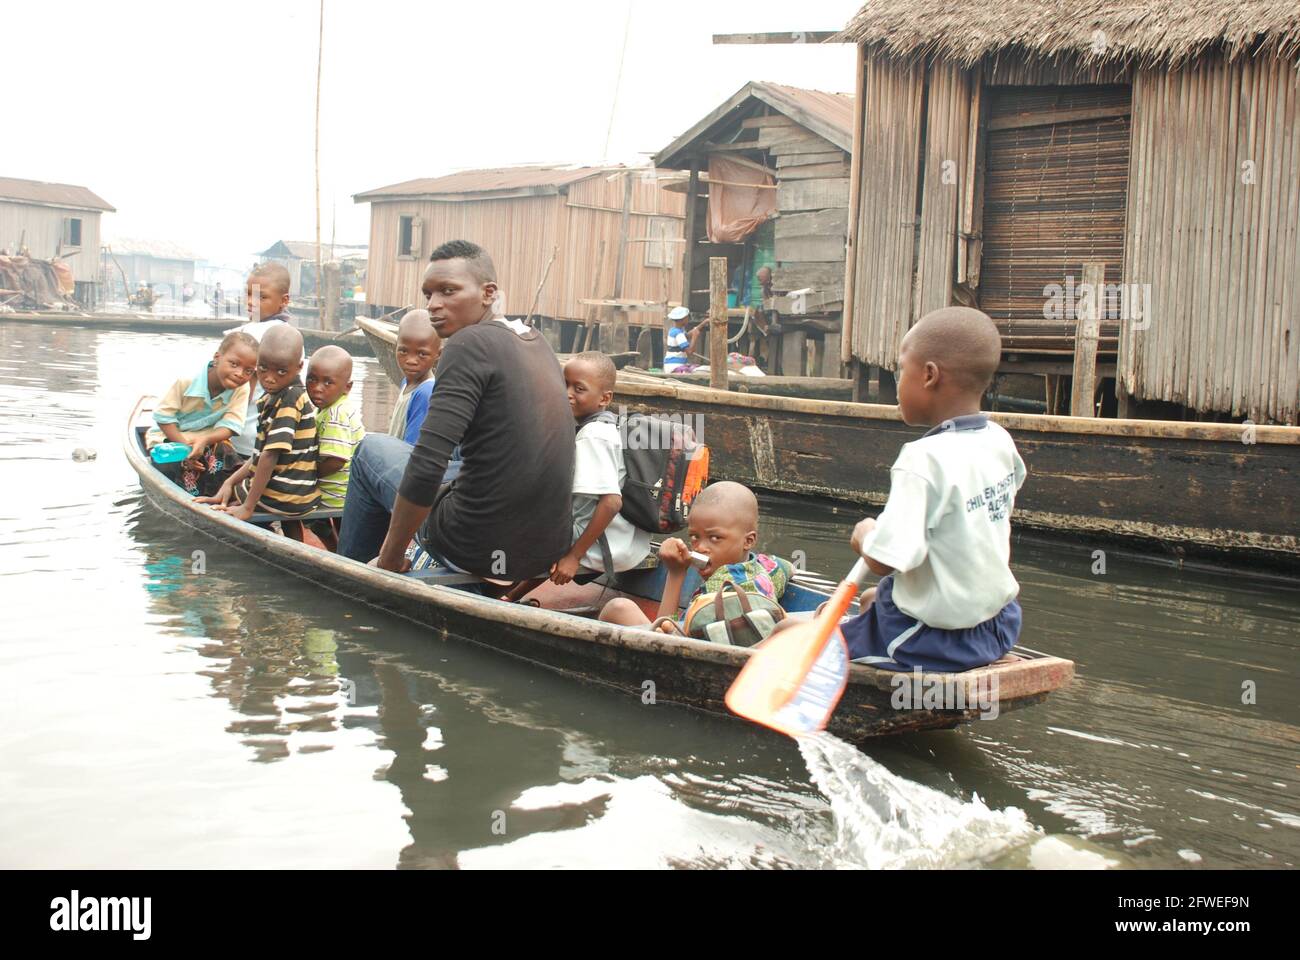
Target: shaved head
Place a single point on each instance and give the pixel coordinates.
(333, 360)
(963, 342)
(271, 274)
(732, 500)
(281, 344)
(416, 324)
(603, 371)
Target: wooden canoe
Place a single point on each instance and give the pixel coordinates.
(1178, 490)
(687, 673)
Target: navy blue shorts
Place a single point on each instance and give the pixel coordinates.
(886, 637)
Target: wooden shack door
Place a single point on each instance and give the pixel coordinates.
(1055, 193)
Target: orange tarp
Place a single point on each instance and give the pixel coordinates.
(736, 209)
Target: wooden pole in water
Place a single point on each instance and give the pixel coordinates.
(320, 49)
(1087, 325)
(618, 316)
(718, 323)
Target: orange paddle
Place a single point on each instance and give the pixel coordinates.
(794, 679)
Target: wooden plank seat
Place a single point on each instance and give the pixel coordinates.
(265, 519)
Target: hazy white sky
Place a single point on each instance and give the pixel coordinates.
(195, 120)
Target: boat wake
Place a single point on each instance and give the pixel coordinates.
(883, 821)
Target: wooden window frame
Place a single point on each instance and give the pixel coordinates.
(68, 243)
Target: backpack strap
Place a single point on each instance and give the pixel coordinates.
(606, 556)
(600, 416)
(718, 598)
(720, 611)
(676, 630)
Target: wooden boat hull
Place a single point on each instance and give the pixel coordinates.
(1220, 492)
(684, 672)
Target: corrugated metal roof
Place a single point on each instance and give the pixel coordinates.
(51, 194)
(835, 110)
(829, 115)
(158, 249)
(536, 180)
(306, 250)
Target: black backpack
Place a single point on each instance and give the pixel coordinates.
(666, 468)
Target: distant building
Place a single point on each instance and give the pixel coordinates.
(616, 234)
(299, 258)
(769, 187)
(54, 220)
(169, 268)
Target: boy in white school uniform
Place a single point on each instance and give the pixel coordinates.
(947, 600)
(603, 539)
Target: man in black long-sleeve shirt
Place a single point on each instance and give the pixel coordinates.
(500, 395)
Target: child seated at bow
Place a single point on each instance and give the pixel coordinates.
(723, 526)
(204, 412)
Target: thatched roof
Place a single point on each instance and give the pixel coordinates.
(1096, 31)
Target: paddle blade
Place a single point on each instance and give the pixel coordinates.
(794, 680)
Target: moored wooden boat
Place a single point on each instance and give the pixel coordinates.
(382, 337)
(127, 321)
(1180, 490)
(354, 343)
(684, 672)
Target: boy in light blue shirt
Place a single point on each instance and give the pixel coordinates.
(267, 299)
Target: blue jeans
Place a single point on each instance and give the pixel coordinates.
(376, 475)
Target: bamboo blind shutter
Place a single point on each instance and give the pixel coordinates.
(1055, 193)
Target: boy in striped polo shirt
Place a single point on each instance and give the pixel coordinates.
(338, 431)
(281, 476)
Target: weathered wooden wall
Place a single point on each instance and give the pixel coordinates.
(1213, 214)
(885, 237)
(41, 230)
(812, 200)
(520, 234)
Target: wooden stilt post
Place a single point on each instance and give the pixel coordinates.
(1087, 325)
(718, 323)
(887, 389)
(618, 317)
(585, 338)
(860, 374)
(688, 258)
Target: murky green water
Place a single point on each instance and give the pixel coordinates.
(154, 717)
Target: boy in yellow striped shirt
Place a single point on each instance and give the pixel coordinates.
(338, 431)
